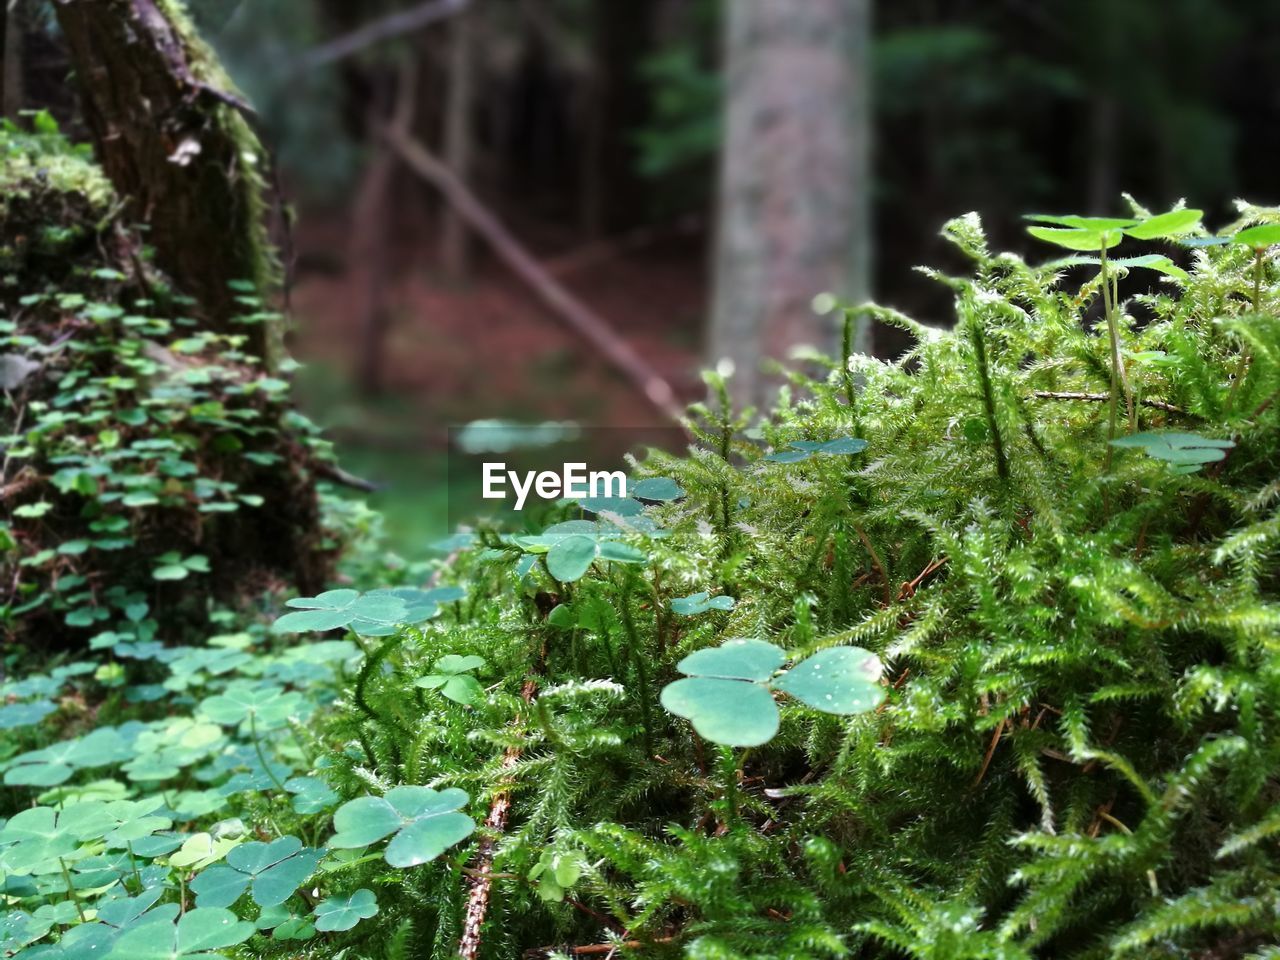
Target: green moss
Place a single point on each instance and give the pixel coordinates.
(44, 161)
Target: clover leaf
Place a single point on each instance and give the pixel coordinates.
(310, 794)
(174, 566)
(425, 822)
(201, 850)
(697, 603)
(570, 558)
(840, 680)
(340, 608)
(1260, 237)
(724, 695)
(264, 707)
(15, 715)
(197, 931)
(343, 913)
(657, 489)
(453, 678)
(1184, 452)
(727, 691)
(274, 869)
(804, 449)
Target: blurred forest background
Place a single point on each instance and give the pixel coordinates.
(558, 209)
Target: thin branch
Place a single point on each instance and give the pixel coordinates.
(1106, 397)
(577, 315)
(482, 874)
(594, 949)
(384, 28)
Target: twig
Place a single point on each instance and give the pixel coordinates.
(376, 31)
(482, 875)
(331, 471)
(577, 315)
(614, 248)
(1106, 397)
(593, 949)
(991, 752)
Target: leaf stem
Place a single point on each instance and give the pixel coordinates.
(71, 890)
(262, 758)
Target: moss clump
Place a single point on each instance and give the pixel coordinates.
(1078, 748)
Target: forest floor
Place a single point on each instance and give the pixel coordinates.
(457, 351)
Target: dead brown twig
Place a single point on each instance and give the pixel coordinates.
(1105, 397)
(482, 875)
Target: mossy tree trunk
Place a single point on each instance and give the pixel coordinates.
(173, 138)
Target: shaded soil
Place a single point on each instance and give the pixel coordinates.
(485, 347)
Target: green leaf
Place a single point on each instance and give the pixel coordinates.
(343, 913)
(425, 822)
(1096, 224)
(1152, 261)
(363, 821)
(571, 557)
(1263, 235)
(840, 680)
(734, 660)
(339, 608)
(697, 603)
(1164, 225)
(658, 489)
(1090, 239)
(729, 712)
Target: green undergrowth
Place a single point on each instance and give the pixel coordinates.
(1010, 688)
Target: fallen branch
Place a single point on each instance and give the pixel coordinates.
(385, 28)
(594, 949)
(482, 875)
(573, 311)
(611, 249)
(1104, 398)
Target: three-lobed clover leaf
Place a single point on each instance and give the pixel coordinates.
(261, 706)
(341, 608)
(727, 691)
(697, 603)
(1092, 234)
(342, 913)
(1184, 452)
(425, 822)
(197, 932)
(420, 605)
(453, 678)
(724, 695)
(274, 870)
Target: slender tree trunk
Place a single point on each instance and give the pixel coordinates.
(455, 240)
(11, 76)
(795, 180)
(172, 135)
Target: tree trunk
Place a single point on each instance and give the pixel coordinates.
(172, 136)
(455, 239)
(12, 73)
(795, 180)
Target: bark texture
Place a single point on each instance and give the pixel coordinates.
(795, 180)
(172, 137)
